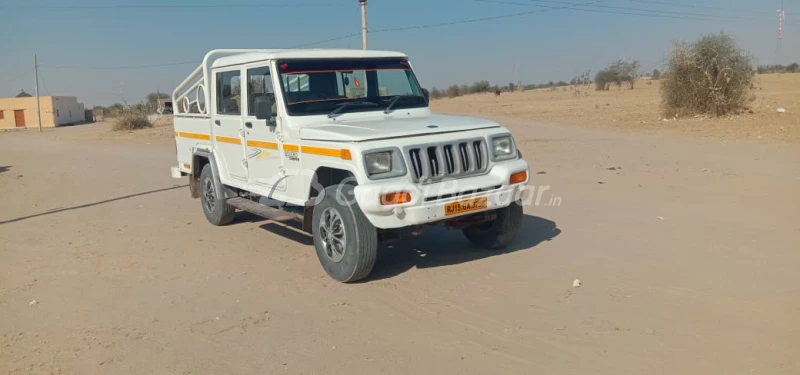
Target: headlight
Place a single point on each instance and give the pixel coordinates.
(503, 148)
(379, 162)
(384, 163)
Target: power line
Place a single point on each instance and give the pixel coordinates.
(326, 40)
(629, 11)
(472, 20)
(16, 77)
(182, 62)
(652, 11)
(544, 8)
(160, 6)
(121, 67)
(698, 6)
(46, 89)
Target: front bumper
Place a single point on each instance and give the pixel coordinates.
(428, 202)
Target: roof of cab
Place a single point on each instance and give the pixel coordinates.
(260, 55)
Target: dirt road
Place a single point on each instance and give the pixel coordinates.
(687, 251)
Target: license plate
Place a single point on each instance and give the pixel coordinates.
(467, 205)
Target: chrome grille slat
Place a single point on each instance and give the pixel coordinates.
(434, 162)
(439, 151)
(458, 168)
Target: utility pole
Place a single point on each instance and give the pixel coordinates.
(363, 23)
(38, 109)
(779, 46)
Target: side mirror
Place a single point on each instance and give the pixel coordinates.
(427, 95)
(263, 108)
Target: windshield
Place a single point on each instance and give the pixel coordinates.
(314, 87)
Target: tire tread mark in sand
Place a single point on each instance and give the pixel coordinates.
(458, 315)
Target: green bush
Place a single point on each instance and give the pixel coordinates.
(710, 76)
(131, 121)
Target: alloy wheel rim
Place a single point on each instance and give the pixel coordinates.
(332, 234)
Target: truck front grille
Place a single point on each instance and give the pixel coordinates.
(434, 162)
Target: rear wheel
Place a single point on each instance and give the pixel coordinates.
(345, 241)
(498, 233)
(218, 212)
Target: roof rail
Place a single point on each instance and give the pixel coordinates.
(187, 94)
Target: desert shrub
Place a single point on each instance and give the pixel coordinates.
(453, 91)
(130, 121)
(605, 78)
(436, 93)
(480, 87)
(710, 76)
(793, 68)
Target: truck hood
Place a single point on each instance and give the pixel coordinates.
(365, 130)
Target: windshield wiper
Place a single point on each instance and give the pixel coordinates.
(341, 106)
(395, 99)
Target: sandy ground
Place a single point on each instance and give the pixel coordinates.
(686, 249)
(639, 110)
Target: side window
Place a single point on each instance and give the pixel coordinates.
(229, 93)
(258, 84)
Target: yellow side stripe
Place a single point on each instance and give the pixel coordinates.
(263, 144)
(324, 151)
(231, 140)
(204, 137)
(311, 150)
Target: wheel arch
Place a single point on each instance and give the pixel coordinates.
(200, 158)
(323, 177)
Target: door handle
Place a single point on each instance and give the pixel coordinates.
(216, 122)
(248, 124)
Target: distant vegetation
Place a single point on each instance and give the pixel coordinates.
(770, 69)
(148, 106)
(618, 73)
(656, 74)
(484, 86)
(710, 76)
(132, 121)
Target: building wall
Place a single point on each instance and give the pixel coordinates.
(28, 105)
(68, 110)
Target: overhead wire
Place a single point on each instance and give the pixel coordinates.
(481, 19)
(610, 9)
(700, 6)
(16, 77)
(121, 67)
(162, 6)
(559, 5)
(44, 84)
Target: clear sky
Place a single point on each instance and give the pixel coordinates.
(554, 45)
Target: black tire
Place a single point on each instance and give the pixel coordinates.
(354, 260)
(218, 212)
(498, 233)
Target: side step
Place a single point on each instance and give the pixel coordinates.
(271, 213)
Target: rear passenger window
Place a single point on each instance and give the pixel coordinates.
(258, 84)
(296, 83)
(229, 93)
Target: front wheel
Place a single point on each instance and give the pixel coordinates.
(497, 233)
(345, 241)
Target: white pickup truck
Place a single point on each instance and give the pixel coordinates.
(344, 142)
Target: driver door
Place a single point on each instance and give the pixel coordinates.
(264, 161)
